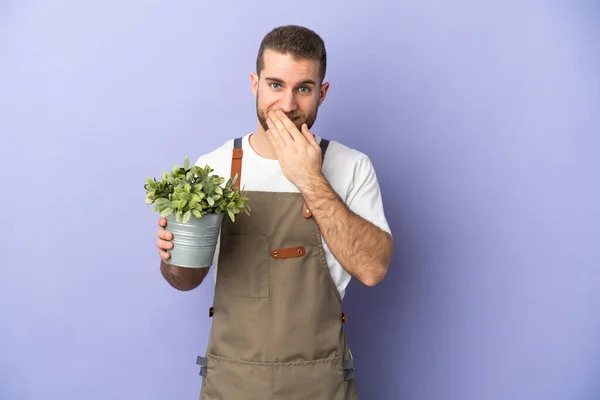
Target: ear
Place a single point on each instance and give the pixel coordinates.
(323, 92)
(254, 80)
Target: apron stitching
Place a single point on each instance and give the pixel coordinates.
(279, 364)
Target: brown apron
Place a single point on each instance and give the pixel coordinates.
(277, 331)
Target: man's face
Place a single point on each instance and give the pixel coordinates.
(290, 85)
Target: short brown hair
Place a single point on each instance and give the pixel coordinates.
(300, 42)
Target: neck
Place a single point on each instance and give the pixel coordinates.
(261, 144)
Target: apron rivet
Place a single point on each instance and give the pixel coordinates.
(275, 253)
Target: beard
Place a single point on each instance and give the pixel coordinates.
(298, 117)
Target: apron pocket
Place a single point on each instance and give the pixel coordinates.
(243, 266)
(231, 380)
(315, 380)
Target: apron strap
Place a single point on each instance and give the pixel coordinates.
(236, 162)
(324, 144)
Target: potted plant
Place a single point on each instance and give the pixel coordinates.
(194, 202)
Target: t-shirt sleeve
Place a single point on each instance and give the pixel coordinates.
(364, 197)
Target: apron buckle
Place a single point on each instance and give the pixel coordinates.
(201, 361)
(348, 367)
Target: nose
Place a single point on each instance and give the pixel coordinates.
(287, 102)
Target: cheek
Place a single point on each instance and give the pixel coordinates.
(308, 104)
(266, 98)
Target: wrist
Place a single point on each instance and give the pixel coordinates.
(310, 182)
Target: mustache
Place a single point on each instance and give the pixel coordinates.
(292, 116)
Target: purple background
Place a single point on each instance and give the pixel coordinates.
(482, 120)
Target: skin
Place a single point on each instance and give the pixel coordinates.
(288, 94)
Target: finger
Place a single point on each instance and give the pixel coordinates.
(281, 129)
(289, 125)
(278, 141)
(163, 244)
(164, 234)
(274, 143)
(310, 137)
(162, 221)
(313, 143)
(164, 255)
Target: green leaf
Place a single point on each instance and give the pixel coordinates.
(219, 190)
(186, 216)
(210, 201)
(166, 212)
(197, 213)
(161, 201)
(186, 163)
(231, 215)
(181, 204)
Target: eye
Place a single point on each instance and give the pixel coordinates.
(275, 84)
(304, 89)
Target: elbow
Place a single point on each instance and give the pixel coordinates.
(375, 278)
(379, 271)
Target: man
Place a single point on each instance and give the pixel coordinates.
(317, 220)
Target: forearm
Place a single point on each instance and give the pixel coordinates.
(182, 278)
(362, 248)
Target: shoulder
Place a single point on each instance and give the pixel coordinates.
(344, 162)
(216, 153)
(352, 174)
(218, 159)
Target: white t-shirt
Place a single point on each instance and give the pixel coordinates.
(349, 172)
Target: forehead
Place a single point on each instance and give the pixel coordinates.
(289, 69)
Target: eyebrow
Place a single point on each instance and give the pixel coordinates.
(304, 82)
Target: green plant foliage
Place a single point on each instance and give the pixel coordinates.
(193, 191)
